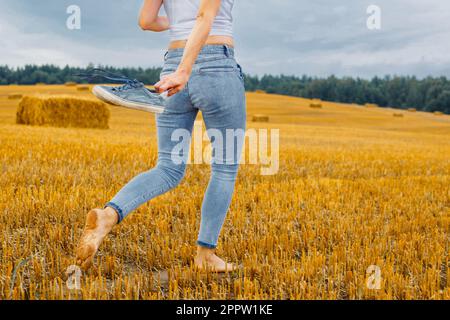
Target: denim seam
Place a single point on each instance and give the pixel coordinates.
(146, 195)
(209, 70)
(201, 59)
(207, 49)
(206, 245)
(189, 93)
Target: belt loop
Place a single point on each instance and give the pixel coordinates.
(227, 51)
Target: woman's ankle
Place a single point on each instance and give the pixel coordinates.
(204, 252)
(112, 214)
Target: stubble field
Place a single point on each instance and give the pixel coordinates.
(356, 187)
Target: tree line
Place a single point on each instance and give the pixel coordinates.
(427, 94)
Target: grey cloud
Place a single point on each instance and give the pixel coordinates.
(320, 37)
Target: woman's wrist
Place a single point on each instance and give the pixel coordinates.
(184, 70)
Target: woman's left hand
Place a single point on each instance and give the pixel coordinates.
(173, 83)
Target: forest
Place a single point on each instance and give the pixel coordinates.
(427, 94)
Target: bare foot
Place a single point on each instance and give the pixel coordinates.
(207, 260)
(98, 224)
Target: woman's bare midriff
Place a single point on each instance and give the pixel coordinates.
(212, 40)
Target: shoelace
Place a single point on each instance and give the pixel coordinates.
(96, 73)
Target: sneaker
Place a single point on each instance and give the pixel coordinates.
(132, 94)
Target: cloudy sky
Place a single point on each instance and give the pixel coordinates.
(319, 38)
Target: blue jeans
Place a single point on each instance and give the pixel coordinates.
(216, 87)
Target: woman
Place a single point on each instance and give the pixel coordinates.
(199, 73)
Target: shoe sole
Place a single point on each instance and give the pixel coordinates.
(108, 97)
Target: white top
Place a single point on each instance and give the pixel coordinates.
(182, 15)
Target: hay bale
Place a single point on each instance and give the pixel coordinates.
(62, 111)
(371, 105)
(260, 91)
(83, 88)
(15, 96)
(412, 109)
(70, 84)
(398, 115)
(315, 105)
(260, 118)
(438, 113)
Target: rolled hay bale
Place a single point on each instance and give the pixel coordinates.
(83, 88)
(371, 105)
(260, 91)
(62, 111)
(260, 118)
(14, 96)
(70, 84)
(438, 113)
(398, 115)
(412, 109)
(315, 105)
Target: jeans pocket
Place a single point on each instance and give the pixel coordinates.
(165, 72)
(207, 69)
